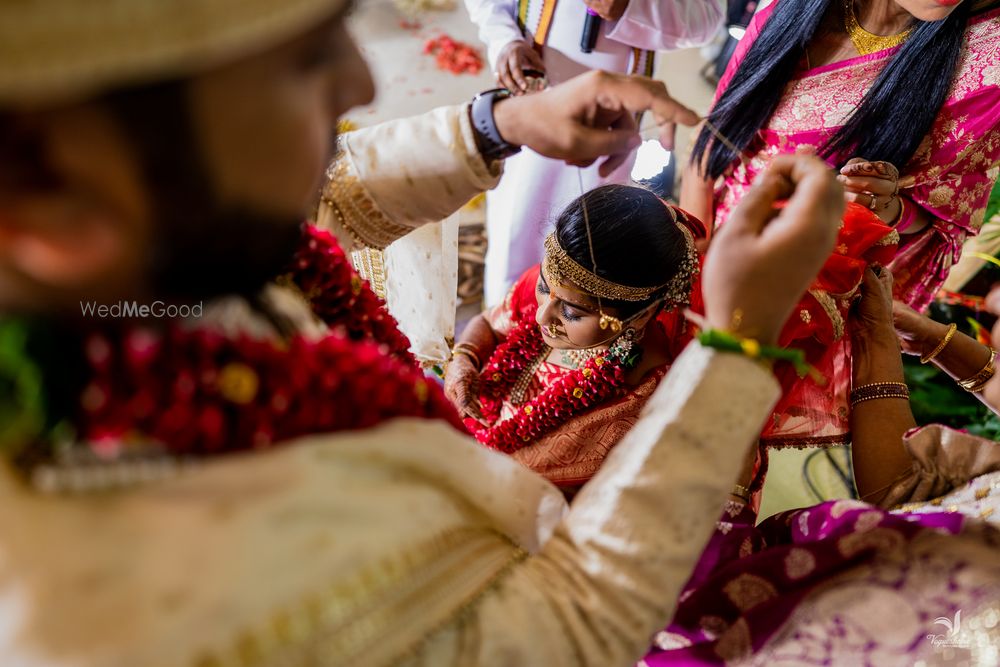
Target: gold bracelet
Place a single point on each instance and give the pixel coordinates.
(470, 351)
(879, 390)
(927, 358)
(977, 382)
(902, 210)
(465, 345)
(741, 492)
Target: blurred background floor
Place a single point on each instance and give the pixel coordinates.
(408, 82)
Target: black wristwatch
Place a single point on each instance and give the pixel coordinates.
(491, 144)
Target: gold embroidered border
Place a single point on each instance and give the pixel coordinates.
(348, 623)
(805, 442)
(354, 208)
(892, 238)
(829, 306)
(370, 265)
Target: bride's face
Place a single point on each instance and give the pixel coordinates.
(572, 315)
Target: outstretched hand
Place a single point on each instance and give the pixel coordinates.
(514, 58)
(460, 386)
(589, 117)
(874, 308)
(874, 185)
(762, 261)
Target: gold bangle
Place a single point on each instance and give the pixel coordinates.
(741, 492)
(927, 358)
(466, 350)
(977, 382)
(879, 390)
(902, 210)
(465, 345)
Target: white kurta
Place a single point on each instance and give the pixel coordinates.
(407, 544)
(521, 211)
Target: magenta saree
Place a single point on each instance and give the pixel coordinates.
(848, 583)
(952, 173)
(950, 178)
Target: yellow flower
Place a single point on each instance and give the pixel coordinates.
(420, 389)
(751, 348)
(238, 383)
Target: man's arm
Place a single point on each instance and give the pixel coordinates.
(392, 178)
(661, 25)
(389, 179)
(610, 576)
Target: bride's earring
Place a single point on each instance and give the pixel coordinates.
(626, 340)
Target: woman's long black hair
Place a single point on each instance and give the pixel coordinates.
(896, 114)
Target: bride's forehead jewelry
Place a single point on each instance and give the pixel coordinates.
(678, 290)
(562, 268)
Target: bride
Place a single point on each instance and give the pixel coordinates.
(557, 373)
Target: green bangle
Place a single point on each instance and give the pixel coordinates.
(727, 342)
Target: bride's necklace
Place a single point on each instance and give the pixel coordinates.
(867, 42)
(577, 358)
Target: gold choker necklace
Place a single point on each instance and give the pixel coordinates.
(866, 42)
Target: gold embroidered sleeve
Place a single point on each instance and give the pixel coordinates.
(389, 179)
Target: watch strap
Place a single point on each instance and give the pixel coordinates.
(492, 145)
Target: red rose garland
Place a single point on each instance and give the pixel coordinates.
(340, 297)
(192, 391)
(508, 363)
(229, 394)
(598, 380)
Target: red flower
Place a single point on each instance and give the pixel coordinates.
(165, 386)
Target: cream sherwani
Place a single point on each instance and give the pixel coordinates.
(406, 544)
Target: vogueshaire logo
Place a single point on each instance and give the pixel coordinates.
(135, 309)
(953, 637)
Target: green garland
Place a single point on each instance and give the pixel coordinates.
(22, 395)
(728, 342)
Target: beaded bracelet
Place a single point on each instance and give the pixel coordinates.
(928, 358)
(879, 390)
(727, 342)
(977, 382)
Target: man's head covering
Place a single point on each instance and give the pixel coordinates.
(58, 50)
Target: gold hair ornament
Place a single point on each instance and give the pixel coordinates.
(562, 268)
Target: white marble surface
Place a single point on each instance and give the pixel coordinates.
(408, 82)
